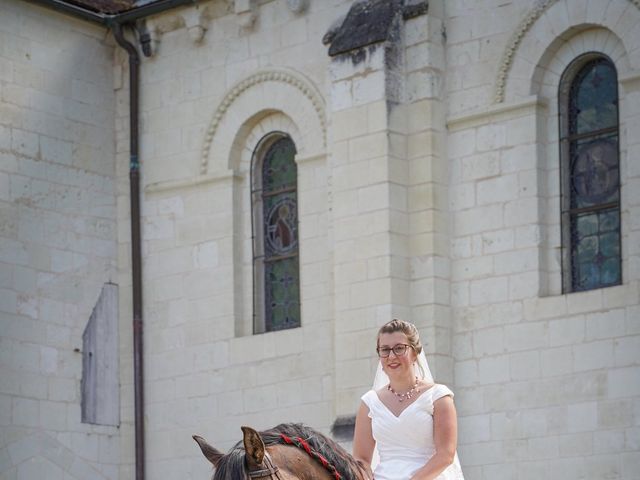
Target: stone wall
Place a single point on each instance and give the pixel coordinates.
(428, 189)
(206, 104)
(547, 383)
(426, 169)
(57, 238)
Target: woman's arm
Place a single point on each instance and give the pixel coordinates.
(363, 442)
(445, 436)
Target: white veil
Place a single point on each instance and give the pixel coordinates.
(421, 370)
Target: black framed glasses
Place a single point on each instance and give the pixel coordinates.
(398, 350)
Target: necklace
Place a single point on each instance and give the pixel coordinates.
(406, 395)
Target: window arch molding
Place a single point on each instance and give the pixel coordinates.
(553, 61)
(248, 102)
(249, 141)
(519, 70)
(276, 99)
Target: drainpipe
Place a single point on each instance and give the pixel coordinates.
(116, 22)
(136, 250)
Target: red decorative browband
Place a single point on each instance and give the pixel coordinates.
(301, 443)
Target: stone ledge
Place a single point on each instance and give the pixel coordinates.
(160, 187)
(630, 81)
(311, 158)
(487, 115)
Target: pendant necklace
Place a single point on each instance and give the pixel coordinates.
(404, 396)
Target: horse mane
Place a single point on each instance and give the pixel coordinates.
(231, 466)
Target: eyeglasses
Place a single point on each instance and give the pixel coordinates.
(398, 350)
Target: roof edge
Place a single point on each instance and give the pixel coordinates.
(108, 20)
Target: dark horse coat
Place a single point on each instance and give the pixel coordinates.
(288, 451)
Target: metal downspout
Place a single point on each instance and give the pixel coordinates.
(136, 250)
(116, 22)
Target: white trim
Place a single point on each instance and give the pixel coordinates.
(310, 158)
(630, 81)
(160, 187)
(495, 112)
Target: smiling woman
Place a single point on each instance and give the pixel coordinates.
(407, 417)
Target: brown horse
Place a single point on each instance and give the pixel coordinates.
(286, 452)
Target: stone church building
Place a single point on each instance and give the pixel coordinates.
(209, 207)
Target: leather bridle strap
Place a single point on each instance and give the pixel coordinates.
(271, 470)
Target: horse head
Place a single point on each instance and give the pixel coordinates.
(300, 451)
(258, 462)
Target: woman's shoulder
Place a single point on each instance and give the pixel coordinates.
(434, 393)
(439, 390)
(368, 397)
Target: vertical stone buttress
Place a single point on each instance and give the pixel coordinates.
(388, 186)
(428, 186)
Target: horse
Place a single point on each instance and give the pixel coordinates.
(289, 451)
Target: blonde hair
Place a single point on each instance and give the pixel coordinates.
(409, 329)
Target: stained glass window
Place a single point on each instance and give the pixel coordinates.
(276, 259)
(590, 175)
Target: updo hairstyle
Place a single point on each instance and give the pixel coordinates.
(409, 329)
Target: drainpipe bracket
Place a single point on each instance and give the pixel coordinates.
(149, 37)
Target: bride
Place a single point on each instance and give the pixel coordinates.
(410, 420)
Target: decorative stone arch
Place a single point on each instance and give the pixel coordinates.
(255, 98)
(254, 132)
(561, 20)
(249, 143)
(561, 53)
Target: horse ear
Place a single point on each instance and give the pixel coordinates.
(253, 446)
(208, 451)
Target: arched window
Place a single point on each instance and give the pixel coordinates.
(274, 202)
(590, 174)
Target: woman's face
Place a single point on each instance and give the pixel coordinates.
(396, 365)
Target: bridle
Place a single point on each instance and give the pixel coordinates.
(270, 470)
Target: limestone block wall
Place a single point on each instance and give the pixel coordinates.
(476, 35)
(57, 238)
(548, 384)
(370, 249)
(205, 107)
(390, 229)
(428, 187)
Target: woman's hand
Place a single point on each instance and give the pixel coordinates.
(365, 470)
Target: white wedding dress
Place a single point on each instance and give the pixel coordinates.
(405, 443)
